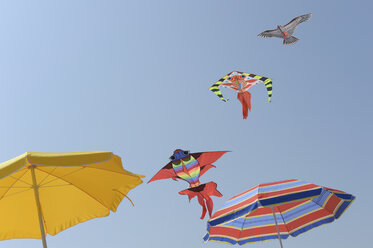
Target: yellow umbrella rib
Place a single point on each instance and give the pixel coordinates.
(125, 196)
(60, 185)
(51, 173)
(19, 179)
(56, 177)
(11, 187)
(45, 178)
(16, 180)
(76, 187)
(129, 173)
(16, 193)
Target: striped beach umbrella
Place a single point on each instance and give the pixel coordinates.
(275, 211)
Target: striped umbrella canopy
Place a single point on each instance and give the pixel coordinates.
(275, 211)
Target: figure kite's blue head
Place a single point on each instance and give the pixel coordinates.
(179, 154)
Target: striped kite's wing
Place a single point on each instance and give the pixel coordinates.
(267, 82)
(215, 87)
(165, 173)
(205, 159)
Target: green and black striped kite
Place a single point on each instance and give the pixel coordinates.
(242, 82)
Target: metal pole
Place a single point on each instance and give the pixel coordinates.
(36, 193)
(278, 230)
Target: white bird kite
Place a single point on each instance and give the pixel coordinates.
(286, 32)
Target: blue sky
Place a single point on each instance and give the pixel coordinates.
(132, 77)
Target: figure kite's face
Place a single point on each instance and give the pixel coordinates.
(179, 154)
(239, 82)
(237, 79)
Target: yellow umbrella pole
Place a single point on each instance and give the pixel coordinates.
(36, 193)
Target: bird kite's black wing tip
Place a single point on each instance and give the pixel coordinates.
(305, 17)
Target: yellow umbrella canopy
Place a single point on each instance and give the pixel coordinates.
(44, 193)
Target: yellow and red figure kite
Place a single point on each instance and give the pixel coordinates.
(189, 167)
(241, 82)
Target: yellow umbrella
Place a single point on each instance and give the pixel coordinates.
(54, 191)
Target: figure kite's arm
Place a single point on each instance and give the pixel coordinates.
(205, 160)
(215, 87)
(165, 173)
(250, 83)
(267, 82)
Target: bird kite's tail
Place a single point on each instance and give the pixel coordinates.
(203, 193)
(245, 99)
(291, 40)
